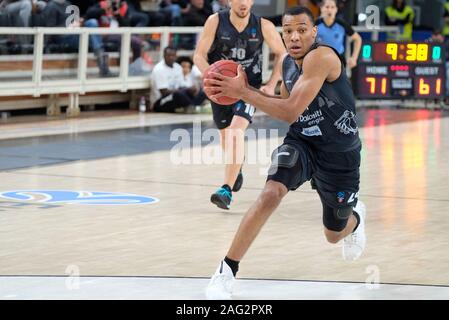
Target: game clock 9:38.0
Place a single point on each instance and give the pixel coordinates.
(400, 70)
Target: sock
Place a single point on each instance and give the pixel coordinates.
(227, 187)
(234, 265)
(356, 215)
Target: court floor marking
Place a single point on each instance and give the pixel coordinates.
(207, 278)
(13, 171)
(192, 288)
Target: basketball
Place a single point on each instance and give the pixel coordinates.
(227, 68)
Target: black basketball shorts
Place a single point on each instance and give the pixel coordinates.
(223, 115)
(335, 176)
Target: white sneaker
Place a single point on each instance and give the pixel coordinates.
(220, 286)
(354, 244)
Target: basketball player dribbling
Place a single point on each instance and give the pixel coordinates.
(237, 34)
(322, 144)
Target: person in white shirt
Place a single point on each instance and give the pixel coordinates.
(192, 77)
(169, 91)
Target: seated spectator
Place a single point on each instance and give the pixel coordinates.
(402, 15)
(218, 5)
(167, 90)
(151, 9)
(113, 14)
(21, 10)
(137, 18)
(57, 15)
(197, 14)
(18, 13)
(174, 9)
(192, 78)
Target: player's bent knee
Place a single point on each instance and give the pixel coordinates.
(336, 219)
(343, 213)
(273, 193)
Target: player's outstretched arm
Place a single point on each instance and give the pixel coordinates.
(317, 67)
(274, 42)
(205, 42)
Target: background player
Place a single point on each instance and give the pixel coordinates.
(237, 34)
(322, 144)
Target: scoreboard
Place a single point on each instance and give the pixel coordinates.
(401, 70)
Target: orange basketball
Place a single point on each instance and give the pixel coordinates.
(227, 68)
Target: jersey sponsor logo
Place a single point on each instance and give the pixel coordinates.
(346, 123)
(309, 117)
(77, 197)
(312, 131)
(225, 38)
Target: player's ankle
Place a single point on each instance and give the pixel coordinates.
(227, 187)
(234, 265)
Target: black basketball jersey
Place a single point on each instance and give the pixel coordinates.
(244, 47)
(329, 121)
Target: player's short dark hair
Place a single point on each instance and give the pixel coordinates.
(295, 11)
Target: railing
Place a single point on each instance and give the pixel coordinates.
(123, 82)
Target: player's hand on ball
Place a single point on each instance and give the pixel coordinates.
(222, 86)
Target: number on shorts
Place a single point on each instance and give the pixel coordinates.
(352, 197)
(249, 109)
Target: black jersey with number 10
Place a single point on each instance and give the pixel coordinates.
(244, 47)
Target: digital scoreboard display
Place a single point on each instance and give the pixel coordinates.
(400, 70)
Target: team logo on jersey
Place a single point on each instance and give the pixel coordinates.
(346, 123)
(76, 197)
(253, 32)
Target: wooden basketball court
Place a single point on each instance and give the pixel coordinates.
(165, 249)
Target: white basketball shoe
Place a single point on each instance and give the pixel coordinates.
(221, 283)
(354, 244)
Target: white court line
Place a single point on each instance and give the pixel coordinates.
(159, 288)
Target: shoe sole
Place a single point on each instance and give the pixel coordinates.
(218, 202)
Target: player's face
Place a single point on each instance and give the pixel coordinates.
(329, 9)
(299, 34)
(241, 7)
